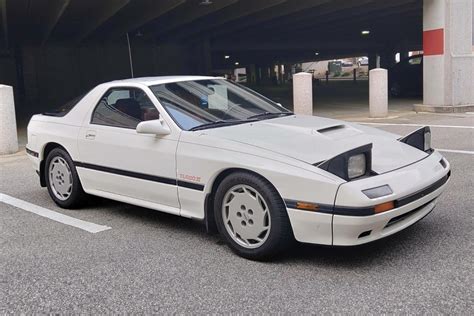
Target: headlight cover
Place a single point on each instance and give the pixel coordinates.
(352, 164)
(421, 139)
(356, 166)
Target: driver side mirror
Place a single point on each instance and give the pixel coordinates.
(156, 127)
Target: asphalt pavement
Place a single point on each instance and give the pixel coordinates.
(151, 262)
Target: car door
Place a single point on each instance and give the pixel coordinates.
(115, 159)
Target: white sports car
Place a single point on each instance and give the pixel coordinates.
(209, 149)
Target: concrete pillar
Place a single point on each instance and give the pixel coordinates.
(378, 92)
(251, 75)
(448, 63)
(303, 93)
(203, 57)
(287, 72)
(265, 75)
(273, 74)
(387, 59)
(280, 74)
(8, 135)
(373, 61)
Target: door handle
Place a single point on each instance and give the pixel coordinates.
(90, 135)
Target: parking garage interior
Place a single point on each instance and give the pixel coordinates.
(50, 53)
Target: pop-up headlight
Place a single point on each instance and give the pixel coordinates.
(421, 139)
(352, 164)
(356, 167)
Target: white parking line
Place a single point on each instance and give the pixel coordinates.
(467, 152)
(416, 125)
(55, 216)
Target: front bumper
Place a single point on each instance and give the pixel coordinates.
(356, 230)
(416, 189)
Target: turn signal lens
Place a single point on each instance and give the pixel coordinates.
(387, 206)
(307, 206)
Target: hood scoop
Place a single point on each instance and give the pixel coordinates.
(330, 128)
(338, 131)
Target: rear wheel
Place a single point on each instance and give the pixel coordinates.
(251, 216)
(62, 180)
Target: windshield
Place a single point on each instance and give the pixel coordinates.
(213, 103)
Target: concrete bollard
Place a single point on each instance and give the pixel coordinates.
(303, 93)
(378, 92)
(8, 135)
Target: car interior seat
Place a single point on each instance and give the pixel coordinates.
(130, 107)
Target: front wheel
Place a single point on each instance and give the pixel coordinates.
(62, 180)
(251, 216)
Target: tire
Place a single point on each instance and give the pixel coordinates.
(251, 204)
(60, 172)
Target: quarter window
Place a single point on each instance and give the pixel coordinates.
(125, 108)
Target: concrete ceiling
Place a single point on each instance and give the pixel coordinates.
(244, 28)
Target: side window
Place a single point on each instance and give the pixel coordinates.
(124, 107)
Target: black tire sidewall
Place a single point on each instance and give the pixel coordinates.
(280, 235)
(77, 194)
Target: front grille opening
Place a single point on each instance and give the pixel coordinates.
(400, 218)
(365, 234)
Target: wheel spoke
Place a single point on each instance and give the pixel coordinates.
(60, 178)
(246, 216)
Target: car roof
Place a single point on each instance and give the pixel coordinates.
(150, 81)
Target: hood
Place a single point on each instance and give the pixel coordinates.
(314, 139)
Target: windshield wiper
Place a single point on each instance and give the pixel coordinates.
(269, 115)
(219, 124)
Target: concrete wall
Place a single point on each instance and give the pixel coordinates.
(51, 75)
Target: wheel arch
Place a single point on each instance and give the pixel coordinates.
(44, 153)
(209, 219)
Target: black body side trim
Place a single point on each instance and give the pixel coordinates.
(191, 185)
(142, 176)
(31, 152)
(418, 195)
(126, 173)
(323, 208)
(354, 211)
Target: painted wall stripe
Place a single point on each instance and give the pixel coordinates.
(55, 216)
(433, 42)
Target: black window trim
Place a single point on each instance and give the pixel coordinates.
(114, 88)
(75, 100)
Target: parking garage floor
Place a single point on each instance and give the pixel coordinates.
(153, 262)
